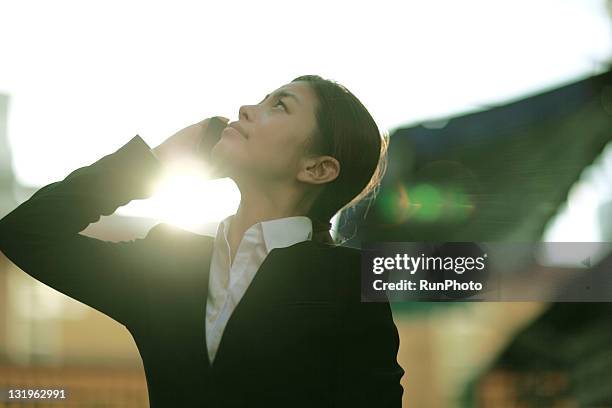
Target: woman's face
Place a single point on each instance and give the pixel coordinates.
(269, 139)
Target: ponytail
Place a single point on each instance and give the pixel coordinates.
(321, 231)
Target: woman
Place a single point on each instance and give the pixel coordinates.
(266, 313)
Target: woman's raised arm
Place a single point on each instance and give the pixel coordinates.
(41, 236)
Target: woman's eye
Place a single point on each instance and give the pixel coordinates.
(281, 103)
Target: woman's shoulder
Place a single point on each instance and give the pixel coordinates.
(169, 248)
(166, 231)
(337, 253)
(339, 247)
(339, 260)
(165, 238)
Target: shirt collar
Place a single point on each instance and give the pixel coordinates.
(277, 233)
(284, 232)
(223, 227)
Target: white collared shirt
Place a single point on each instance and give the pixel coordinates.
(226, 285)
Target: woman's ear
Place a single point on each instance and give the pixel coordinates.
(319, 170)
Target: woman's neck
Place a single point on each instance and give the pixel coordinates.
(258, 205)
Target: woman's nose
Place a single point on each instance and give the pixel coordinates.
(243, 113)
(246, 112)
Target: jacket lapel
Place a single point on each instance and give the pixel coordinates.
(278, 267)
(281, 267)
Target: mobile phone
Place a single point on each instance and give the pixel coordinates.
(210, 137)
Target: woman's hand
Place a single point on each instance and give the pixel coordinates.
(182, 147)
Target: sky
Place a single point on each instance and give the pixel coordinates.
(85, 77)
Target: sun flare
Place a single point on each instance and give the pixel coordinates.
(187, 199)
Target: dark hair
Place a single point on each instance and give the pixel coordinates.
(346, 131)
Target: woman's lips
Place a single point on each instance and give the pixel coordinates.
(234, 132)
(235, 126)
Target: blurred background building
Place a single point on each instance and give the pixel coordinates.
(518, 152)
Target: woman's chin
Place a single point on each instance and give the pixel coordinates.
(222, 152)
(225, 159)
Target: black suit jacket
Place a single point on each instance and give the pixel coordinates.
(300, 336)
